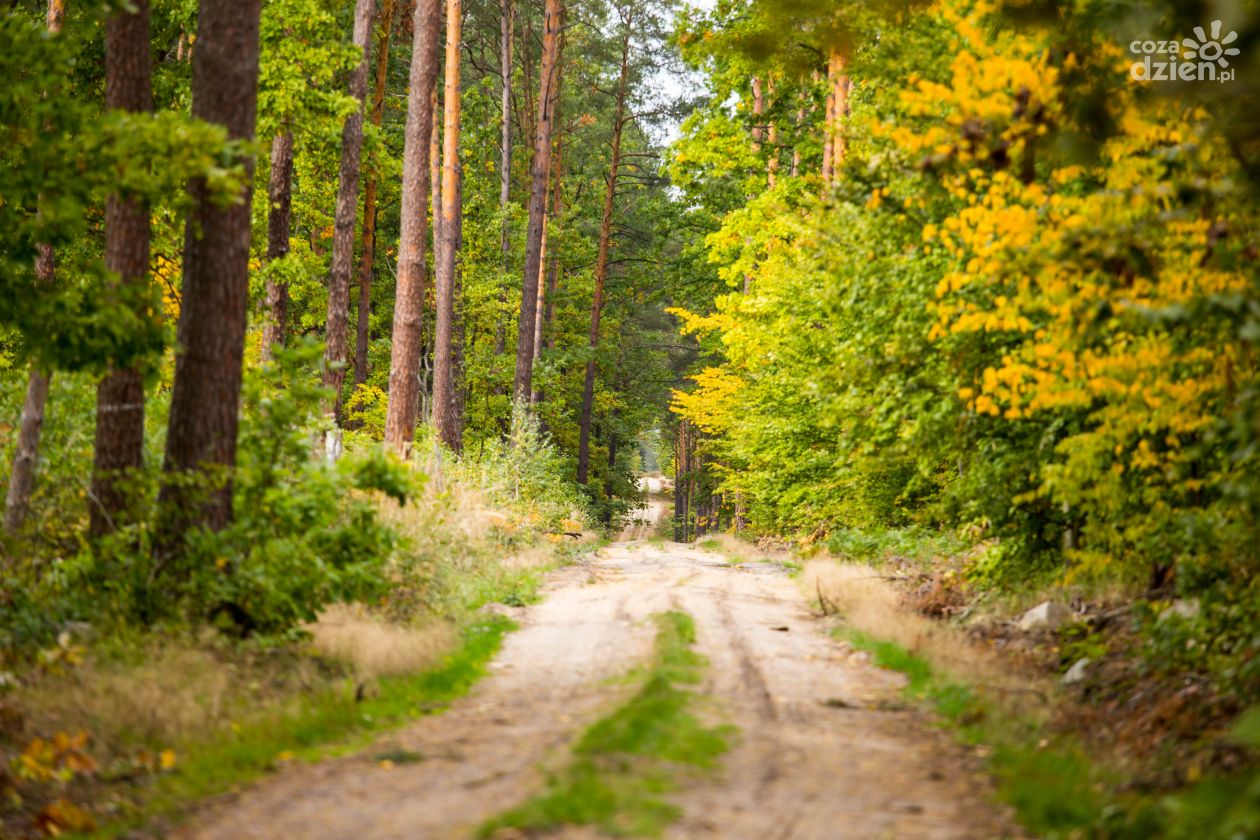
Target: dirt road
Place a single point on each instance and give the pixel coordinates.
(815, 759)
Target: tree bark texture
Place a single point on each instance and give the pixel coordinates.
(446, 365)
(404, 372)
(539, 172)
(336, 350)
(279, 220)
(506, 15)
(368, 258)
(119, 444)
(205, 399)
(837, 115)
(17, 500)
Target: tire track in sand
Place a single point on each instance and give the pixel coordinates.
(800, 769)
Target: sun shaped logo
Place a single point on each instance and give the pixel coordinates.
(1210, 49)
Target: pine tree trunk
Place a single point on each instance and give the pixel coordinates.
(17, 500)
(368, 258)
(539, 172)
(205, 399)
(837, 115)
(542, 310)
(601, 262)
(445, 349)
(119, 443)
(772, 139)
(335, 332)
(506, 14)
(553, 272)
(280, 202)
(404, 371)
(535, 395)
(758, 109)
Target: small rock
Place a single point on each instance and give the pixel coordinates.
(1048, 615)
(80, 631)
(1077, 672)
(1186, 608)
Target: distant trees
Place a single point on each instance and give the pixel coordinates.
(329, 109)
(605, 243)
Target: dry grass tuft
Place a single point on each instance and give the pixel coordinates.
(165, 692)
(375, 648)
(871, 605)
(743, 551)
(537, 557)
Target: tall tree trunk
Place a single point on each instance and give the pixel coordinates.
(336, 349)
(837, 115)
(368, 258)
(445, 364)
(682, 478)
(553, 272)
(796, 158)
(540, 170)
(205, 399)
(506, 14)
(772, 138)
(280, 202)
(601, 261)
(542, 310)
(17, 500)
(120, 395)
(404, 370)
(536, 395)
(758, 110)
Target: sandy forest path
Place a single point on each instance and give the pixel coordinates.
(820, 754)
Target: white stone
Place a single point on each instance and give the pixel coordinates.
(1048, 615)
(1077, 672)
(1184, 608)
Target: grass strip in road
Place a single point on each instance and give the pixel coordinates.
(318, 725)
(627, 763)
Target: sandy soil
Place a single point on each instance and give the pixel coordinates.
(816, 757)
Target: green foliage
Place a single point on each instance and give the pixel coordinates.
(305, 534)
(625, 764)
(522, 473)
